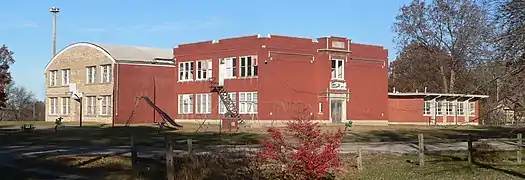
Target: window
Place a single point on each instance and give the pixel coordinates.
(338, 69)
(450, 108)
(230, 67)
(66, 105)
(107, 74)
(222, 107)
(427, 108)
(439, 105)
(185, 103)
(53, 78)
(460, 109)
(186, 71)
(66, 73)
(91, 74)
(204, 69)
(203, 103)
(91, 105)
(106, 105)
(471, 108)
(248, 66)
(248, 102)
(53, 105)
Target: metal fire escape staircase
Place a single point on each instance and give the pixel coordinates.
(232, 112)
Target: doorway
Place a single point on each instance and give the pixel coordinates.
(336, 110)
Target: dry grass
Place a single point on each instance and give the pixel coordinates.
(229, 166)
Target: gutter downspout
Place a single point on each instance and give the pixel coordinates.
(116, 93)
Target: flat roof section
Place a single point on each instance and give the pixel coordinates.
(438, 96)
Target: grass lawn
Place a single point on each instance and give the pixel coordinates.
(442, 166)
(17, 124)
(93, 134)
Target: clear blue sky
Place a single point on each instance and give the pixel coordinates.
(26, 25)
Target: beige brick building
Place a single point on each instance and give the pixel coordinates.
(90, 71)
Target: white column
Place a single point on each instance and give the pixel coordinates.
(454, 110)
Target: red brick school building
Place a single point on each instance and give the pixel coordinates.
(253, 79)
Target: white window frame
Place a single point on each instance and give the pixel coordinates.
(185, 105)
(106, 73)
(66, 76)
(450, 108)
(471, 108)
(53, 78)
(203, 103)
(186, 71)
(439, 107)
(320, 108)
(106, 105)
(53, 106)
(427, 108)
(222, 107)
(248, 102)
(248, 66)
(335, 74)
(204, 69)
(461, 109)
(65, 106)
(91, 74)
(91, 105)
(231, 67)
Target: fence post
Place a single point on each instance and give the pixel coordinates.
(134, 157)
(469, 143)
(190, 148)
(359, 159)
(170, 169)
(421, 150)
(520, 146)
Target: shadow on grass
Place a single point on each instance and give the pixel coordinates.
(75, 140)
(438, 134)
(456, 161)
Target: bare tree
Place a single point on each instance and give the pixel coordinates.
(462, 29)
(21, 103)
(415, 69)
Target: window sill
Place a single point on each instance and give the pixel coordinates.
(338, 80)
(90, 115)
(181, 81)
(249, 77)
(105, 115)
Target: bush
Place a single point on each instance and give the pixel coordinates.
(484, 152)
(300, 151)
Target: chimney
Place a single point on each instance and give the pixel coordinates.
(394, 90)
(425, 89)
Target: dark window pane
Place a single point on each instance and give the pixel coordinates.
(243, 61)
(255, 70)
(234, 62)
(234, 71)
(249, 71)
(243, 72)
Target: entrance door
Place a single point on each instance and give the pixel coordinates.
(336, 111)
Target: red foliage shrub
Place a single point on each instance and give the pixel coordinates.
(302, 150)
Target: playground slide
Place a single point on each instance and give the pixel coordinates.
(162, 113)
